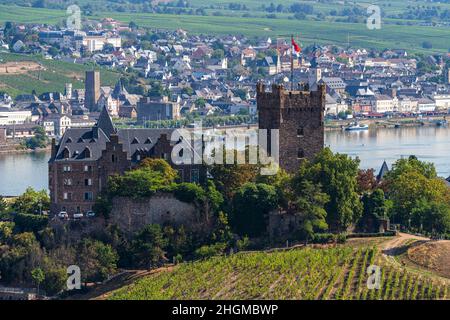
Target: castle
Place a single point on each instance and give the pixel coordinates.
(299, 117)
(84, 158)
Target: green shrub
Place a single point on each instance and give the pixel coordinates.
(189, 192)
(30, 222)
(216, 249)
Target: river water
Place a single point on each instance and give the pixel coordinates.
(18, 171)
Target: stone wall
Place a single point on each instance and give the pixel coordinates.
(131, 215)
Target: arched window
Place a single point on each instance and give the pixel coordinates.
(87, 152)
(66, 153)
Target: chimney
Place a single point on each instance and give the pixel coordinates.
(53, 148)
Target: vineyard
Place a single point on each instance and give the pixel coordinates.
(333, 273)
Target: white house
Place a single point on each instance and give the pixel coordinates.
(442, 101)
(8, 116)
(383, 104)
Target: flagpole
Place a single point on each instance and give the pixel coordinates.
(292, 62)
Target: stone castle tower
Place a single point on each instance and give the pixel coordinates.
(92, 90)
(299, 117)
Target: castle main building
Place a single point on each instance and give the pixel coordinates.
(84, 158)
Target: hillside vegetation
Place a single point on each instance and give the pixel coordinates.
(331, 273)
(404, 25)
(51, 77)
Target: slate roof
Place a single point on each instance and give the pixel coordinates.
(77, 140)
(141, 139)
(383, 171)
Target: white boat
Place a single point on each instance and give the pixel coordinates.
(357, 127)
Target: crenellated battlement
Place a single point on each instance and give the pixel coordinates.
(280, 97)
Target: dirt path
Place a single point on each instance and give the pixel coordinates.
(401, 245)
(397, 245)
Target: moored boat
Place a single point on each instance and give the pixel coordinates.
(357, 127)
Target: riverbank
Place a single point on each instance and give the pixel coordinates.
(385, 122)
(17, 148)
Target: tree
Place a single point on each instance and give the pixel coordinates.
(6, 231)
(133, 25)
(251, 205)
(55, 280)
(31, 202)
(402, 166)
(200, 103)
(337, 176)
(408, 189)
(375, 203)
(230, 177)
(151, 176)
(148, 247)
(3, 205)
(309, 204)
(108, 48)
(96, 259)
(433, 217)
(40, 139)
(218, 54)
(366, 180)
(38, 277)
(161, 166)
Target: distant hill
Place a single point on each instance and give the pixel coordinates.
(36, 73)
(419, 26)
(308, 273)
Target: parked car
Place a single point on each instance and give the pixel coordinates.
(63, 215)
(78, 215)
(90, 214)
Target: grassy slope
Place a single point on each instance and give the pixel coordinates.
(408, 37)
(52, 78)
(333, 273)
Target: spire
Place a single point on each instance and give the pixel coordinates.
(384, 169)
(119, 90)
(105, 123)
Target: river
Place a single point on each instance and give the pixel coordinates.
(18, 171)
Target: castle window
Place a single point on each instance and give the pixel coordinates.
(300, 132)
(87, 168)
(66, 153)
(67, 182)
(87, 153)
(88, 196)
(113, 158)
(67, 196)
(195, 176)
(300, 153)
(88, 182)
(67, 168)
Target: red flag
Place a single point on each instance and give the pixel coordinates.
(296, 46)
